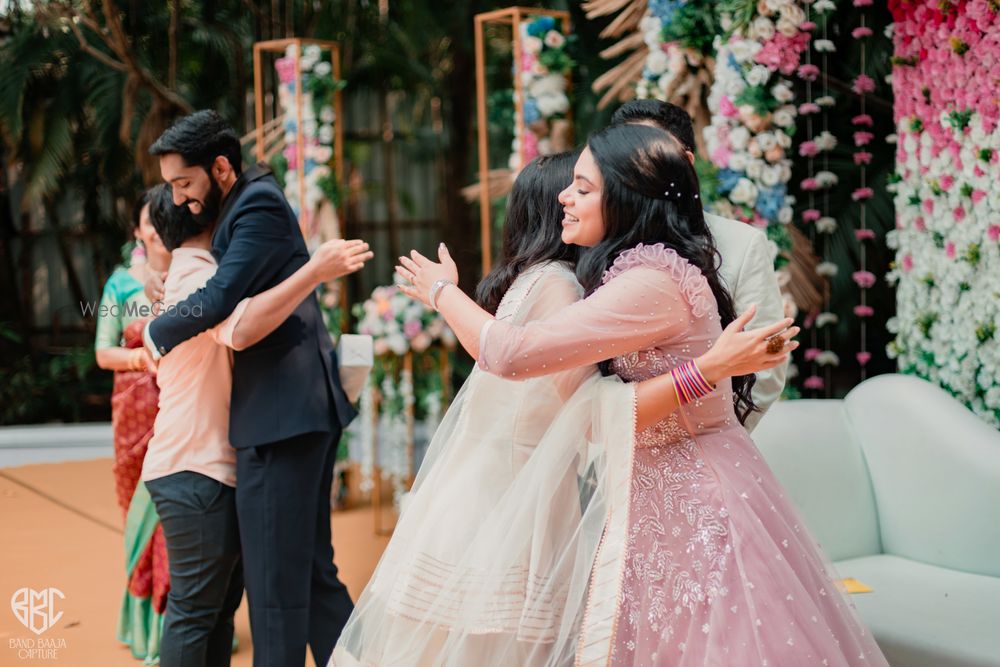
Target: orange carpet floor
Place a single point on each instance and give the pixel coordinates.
(61, 528)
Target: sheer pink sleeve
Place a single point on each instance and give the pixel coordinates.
(650, 296)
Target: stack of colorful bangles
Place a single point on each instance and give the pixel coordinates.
(689, 383)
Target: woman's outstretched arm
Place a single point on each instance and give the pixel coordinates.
(640, 307)
(462, 314)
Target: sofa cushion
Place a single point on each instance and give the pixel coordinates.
(935, 468)
(927, 616)
(810, 449)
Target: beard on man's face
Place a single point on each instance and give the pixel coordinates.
(211, 205)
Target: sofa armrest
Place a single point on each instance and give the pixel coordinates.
(816, 458)
(935, 468)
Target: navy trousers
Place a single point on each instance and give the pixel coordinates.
(295, 595)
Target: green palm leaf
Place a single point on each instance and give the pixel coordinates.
(49, 163)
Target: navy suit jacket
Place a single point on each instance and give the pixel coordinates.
(288, 383)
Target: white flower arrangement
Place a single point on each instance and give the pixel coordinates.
(825, 318)
(827, 269)
(399, 324)
(753, 114)
(542, 68)
(826, 225)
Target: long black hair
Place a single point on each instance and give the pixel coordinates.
(532, 225)
(650, 195)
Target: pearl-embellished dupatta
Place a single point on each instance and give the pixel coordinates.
(493, 558)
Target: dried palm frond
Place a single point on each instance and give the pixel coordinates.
(498, 181)
(627, 21)
(624, 45)
(620, 80)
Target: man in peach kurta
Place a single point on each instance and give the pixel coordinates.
(190, 467)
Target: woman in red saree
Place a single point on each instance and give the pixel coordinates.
(118, 347)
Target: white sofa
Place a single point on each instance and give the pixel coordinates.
(900, 483)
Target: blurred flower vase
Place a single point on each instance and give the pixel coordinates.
(406, 392)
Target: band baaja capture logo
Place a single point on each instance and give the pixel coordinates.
(38, 611)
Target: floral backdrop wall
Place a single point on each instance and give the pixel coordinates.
(800, 108)
(946, 81)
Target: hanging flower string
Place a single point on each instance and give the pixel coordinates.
(863, 278)
(809, 149)
(827, 225)
(818, 185)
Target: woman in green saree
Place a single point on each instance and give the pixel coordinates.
(122, 314)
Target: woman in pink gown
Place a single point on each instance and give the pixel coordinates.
(703, 560)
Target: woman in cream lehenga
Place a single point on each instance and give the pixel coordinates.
(489, 562)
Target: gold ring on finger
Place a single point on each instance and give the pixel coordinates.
(775, 344)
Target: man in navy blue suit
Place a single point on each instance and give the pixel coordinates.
(287, 407)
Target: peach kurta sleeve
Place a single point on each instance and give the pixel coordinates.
(224, 331)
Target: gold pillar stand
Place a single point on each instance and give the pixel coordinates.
(512, 16)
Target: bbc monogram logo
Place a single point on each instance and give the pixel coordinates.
(38, 611)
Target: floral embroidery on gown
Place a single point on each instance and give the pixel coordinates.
(718, 568)
(703, 560)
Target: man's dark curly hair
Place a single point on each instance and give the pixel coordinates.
(199, 138)
(664, 115)
(174, 224)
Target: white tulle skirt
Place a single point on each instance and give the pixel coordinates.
(490, 563)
